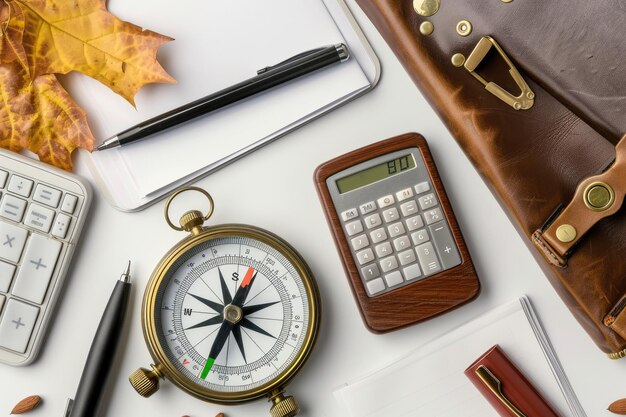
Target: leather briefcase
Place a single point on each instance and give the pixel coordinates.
(535, 94)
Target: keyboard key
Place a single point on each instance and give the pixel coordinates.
(47, 195)
(445, 244)
(388, 264)
(6, 276)
(422, 187)
(346, 215)
(12, 241)
(393, 279)
(352, 228)
(385, 201)
(404, 194)
(414, 223)
(367, 207)
(34, 275)
(19, 185)
(359, 242)
(428, 258)
(428, 201)
(419, 237)
(365, 256)
(401, 243)
(412, 272)
(378, 235)
(396, 229)
(390, 215)
(12, 208)
(433, 216)
(17, 325)
(370, 272)
(375, 286)
(3, 178)
(373, 221)
(407, 257)
(409, 208)
(39, 217)
(383, 249)
(61, 225)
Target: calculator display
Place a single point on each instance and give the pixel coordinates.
(375, 173)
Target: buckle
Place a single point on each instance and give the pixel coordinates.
(524, 100)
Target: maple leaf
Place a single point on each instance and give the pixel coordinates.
(12, 30)
(81, 35)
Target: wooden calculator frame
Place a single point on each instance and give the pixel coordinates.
(424, 298)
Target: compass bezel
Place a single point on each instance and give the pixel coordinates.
(150, 310)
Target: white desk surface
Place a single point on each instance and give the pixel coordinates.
(277, 187)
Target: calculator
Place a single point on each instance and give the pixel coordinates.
(42, 212)
(396, 233)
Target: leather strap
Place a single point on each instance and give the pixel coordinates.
(596, 197)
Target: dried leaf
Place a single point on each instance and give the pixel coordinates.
(81, 35)
(12, 30)
(618, 407)
(26, 405)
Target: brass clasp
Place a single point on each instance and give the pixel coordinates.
(525, 100)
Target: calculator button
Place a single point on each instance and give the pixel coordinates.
(404, 194)
(6, 276)
(407, 257)
(378, 235)
(17, 325)
(414, 223)
(383, 249)
(360, 242)
(409, 208)
(428, 201)
(433, 216)
(3, 180)
(389, 263)
(401, 243)
(422, 187)
(61, 225)
(412, 272)
(346, 215)
(393, 279)
(370, 272)
(12, 241)
(445, 245)
(365, 256)
(419, 237)
(428, 258)
(396, 229)
(21, 186)
(47, 195)
(390, 215)
(12, 208)
(39, 217)
(367, 207)
(375, 286)
(373, 221)
(36, 270)
(385, 201)
(354, 227)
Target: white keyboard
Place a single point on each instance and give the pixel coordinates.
(42, 211)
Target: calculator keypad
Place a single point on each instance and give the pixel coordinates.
(407, 238)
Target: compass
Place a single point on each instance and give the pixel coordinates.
(230, 314)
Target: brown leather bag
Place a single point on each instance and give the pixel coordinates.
(535, 94)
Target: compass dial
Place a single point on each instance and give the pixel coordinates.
(232, 314)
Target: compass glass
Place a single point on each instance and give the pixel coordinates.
(232, 314)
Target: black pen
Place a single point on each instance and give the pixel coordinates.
(102, 353)
(266, 78)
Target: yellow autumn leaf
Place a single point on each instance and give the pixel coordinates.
(11, 32)
(81, 35)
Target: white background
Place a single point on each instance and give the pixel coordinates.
(273, 188)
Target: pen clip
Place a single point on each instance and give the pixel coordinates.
(288, 60)
(494, 384)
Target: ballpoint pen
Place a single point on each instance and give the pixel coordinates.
(266, 78)
(102, 353)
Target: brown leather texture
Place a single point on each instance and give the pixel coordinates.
(513, 384)
(570, 54)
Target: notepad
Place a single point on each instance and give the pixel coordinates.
(430, 381)
(217, 44)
